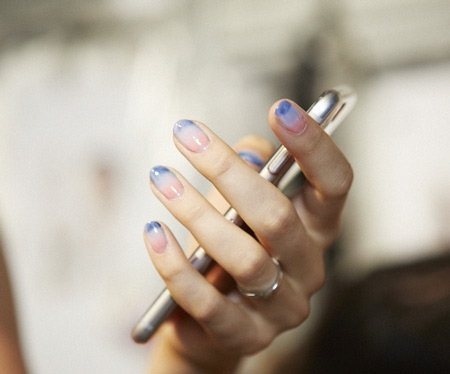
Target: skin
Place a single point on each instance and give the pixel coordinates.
(219, 326)
(10, 354)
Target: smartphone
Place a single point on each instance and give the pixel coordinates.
(328, 111)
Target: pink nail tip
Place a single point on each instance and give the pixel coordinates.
(191, 136)
(156, 237)
(166, 182)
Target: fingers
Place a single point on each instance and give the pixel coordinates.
(223, 317)
(216, 313)
(186, 285)
(238, 253)
(261, 205)
(172, 265)
(224, 241)
(328, 173)
(292, 233)
(255, 151)
(321, 160)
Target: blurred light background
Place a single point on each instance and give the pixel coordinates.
(89, 91)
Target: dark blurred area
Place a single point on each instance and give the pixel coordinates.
(396, 320)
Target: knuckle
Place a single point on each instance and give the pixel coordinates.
(263, 336)
(344, 181)
(305, 312)
(299, 314)
(207, 311)
(279, 220)
(222, 162)
(331, 236)
(253, 342)
(266, 337)
(319, 279)
(295, 319)
(313, 144)
(171, 272)
(196, 212)
(250, 268)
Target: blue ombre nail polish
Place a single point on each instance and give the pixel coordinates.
(191, 136)
(166, 182)
(156, 237)
(289, 116)
(251, 157)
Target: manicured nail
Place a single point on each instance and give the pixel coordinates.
(156, 237)
(252, 158)
(191, 136)
(166, 182)
(290, 117)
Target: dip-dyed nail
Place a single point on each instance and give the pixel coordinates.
(166, 182)
(252, 158)
(156, 237)
(290, 117)
(191, 136)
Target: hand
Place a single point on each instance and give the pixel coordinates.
(220, 325)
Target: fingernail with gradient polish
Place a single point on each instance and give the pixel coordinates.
(191, 136)
(166, 182)
(252, 158)
(156, 237)
(290, 117)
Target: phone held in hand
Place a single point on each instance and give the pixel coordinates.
(328, 111)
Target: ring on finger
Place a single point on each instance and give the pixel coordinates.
(264, 294)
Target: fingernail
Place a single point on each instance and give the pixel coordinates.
(166, 182)
(156, 237)
(252, 158)
(191, 136)
(290, 117)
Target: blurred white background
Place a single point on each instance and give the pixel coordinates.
(89, 91)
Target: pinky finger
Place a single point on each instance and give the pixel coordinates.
(191, 291)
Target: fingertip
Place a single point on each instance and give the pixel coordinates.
(255, 150)
(288, 116)
(155, 237)
(191, 135)
(166, 181)
(252, 157)
(324, 165)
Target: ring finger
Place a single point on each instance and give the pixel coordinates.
(223, 241)
(201, 300)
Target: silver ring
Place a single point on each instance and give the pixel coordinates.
(268, 291)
